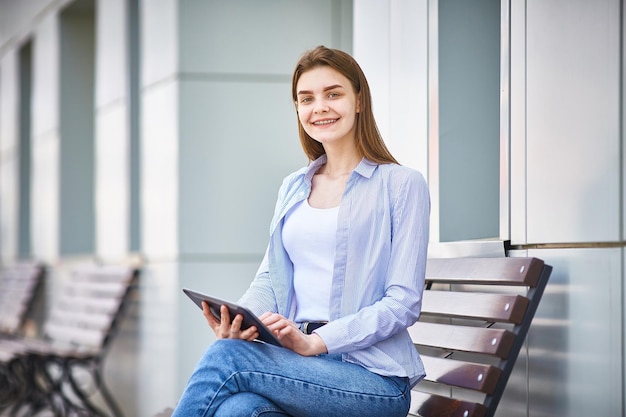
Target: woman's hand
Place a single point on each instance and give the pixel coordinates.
(224, 328)
(291, 337)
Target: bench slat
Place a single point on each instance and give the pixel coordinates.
(489, 307)
(81, 337)
(475, 376)
(105, 289)
(501, 271)
(88, 304)
(19, 283)
(497, 342)
(431, 405)
(81, 321)
(468, 362)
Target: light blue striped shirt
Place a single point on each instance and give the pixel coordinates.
(379, 268)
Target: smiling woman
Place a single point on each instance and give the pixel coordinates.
(367, 137)
(342, 322)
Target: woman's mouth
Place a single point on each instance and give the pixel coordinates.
(324, 122)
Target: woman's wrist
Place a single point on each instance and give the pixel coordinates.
(316, 345)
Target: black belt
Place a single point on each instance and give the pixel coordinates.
(309, 326)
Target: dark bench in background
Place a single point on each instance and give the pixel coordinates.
(475, 316)
(19, 283)
(48, 372)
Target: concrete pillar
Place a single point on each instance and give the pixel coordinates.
(9, 150)
(45, 140)
(112, 132)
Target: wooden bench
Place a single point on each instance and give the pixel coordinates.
(77, 333)
(19, 283)
(475, 316)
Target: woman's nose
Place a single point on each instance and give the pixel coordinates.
(320, 107)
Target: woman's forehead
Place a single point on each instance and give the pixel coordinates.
(320, 78)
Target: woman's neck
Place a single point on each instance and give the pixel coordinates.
(338, 168)
(340, 162)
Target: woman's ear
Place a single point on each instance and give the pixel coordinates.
(358, 103)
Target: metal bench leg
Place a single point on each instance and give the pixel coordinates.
(95, 372)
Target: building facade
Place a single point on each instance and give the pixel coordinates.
(160, 130)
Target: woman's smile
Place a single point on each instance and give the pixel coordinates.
(324, 122)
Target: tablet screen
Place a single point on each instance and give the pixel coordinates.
(249, 319)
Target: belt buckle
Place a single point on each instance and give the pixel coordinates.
(305, 326)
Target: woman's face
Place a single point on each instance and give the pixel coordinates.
(327, 106)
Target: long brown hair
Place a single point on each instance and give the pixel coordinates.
(369, 142)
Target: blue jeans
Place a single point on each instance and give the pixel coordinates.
(237, 378)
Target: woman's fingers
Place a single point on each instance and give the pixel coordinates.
(224, 328)
(213, 321)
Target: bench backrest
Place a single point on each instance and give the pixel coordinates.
(18, 286)
(475, 316)
(87, 313)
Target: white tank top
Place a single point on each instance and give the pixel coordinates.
(309, 237)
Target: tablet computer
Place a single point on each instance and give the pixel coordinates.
(249, 319)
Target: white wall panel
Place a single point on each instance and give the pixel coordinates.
(391, 45)
(112, 182)
(623, 132)
(517, 175)
(159, 40)
(159, 338)
(45, 198)
(9, 102)
(9, 156)
(9, 198)
(159, 171)
(572, 102)
(46, 141)
(112, 149)
(111, 51)
(46, 77)
(371, 50)
(408, 83)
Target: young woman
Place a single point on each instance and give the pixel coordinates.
(342, 277)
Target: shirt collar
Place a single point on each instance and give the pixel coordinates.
(365, 168)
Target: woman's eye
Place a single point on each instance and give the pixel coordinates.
(333, 95)
(305, 100)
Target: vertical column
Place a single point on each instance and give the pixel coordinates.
(45, 140)
(518, 123)
(111, 131)
(395, 59)
(9, 155)
(114, 158)
(159, 165)
(408, 83)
